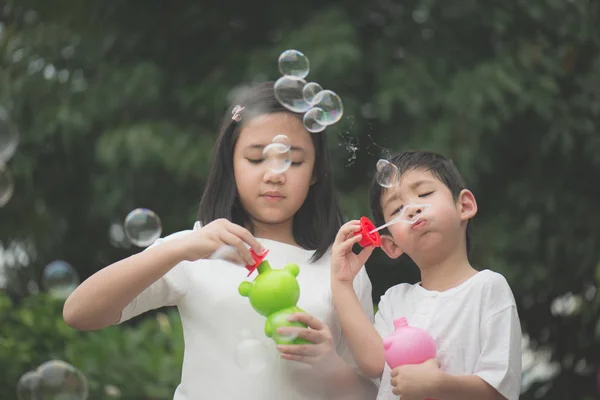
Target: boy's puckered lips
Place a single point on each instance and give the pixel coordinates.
(419, 225)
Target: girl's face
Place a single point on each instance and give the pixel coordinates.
(271, 197)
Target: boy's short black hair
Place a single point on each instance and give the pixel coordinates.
(441, 167)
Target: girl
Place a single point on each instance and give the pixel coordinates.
(294, 214)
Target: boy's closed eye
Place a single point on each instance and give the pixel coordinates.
(397, 210)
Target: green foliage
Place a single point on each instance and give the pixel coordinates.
(142, 362)
(118, 106)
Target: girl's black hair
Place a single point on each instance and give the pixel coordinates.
(319, 218)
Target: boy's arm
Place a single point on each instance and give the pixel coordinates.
(451, 387)
(364, 341)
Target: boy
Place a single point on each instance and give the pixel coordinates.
(471, 315)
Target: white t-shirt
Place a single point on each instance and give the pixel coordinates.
(214, 314)
(475, 325)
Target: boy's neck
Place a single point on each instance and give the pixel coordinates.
(448, 273)
(281, 232)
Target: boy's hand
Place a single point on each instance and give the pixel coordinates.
(416, 381)
(344, 263)
(320, 353)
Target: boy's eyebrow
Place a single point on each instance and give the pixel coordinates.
(260, 147)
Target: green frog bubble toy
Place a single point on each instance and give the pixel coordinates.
(274, 295)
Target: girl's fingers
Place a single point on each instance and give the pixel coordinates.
(308, 350)
(296, 357)
(232, 240)
(312, 335)
(247, 237)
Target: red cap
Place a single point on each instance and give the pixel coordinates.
(368, 239)
(257, 260)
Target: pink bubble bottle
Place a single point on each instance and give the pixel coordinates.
(408, 345)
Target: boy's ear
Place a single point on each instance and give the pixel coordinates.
(467, 206)
(390, 248)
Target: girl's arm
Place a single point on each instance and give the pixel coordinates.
(99, 301)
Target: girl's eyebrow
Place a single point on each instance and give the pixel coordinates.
(260, 147)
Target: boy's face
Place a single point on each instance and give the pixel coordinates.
(440, 227)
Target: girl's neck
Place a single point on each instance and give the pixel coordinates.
(447, 273)
(280, 232)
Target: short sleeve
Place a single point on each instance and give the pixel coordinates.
(384, 318)
(363, 288)
(167, 291)
(499, 363)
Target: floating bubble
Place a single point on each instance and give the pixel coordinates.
(60, 279)
(332, 107)
(251, 355)
(61, 381)
(28, 387)
(387, 174)
(293, 63)
(284, 140)
(9, 136)
(288, 91)
(311, 120)
(7, 187)
(142, 227)
(310, 90)
(278, 157)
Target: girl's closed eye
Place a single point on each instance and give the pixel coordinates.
(259, 160)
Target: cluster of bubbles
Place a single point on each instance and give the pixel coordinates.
(9, 141)
(252, 355)
(321, 108)
(53, 380)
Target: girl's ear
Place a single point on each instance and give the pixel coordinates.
(390, 247)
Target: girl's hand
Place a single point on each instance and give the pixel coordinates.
(320, 353)
(345, 265)
(220, 234)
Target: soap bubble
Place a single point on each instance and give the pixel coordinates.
(310, 90)
(142, 227)
(278, 157)
(332, 107)
(251, 354)
(62, 381)
(387, 174)
(412, 213)
(6, 185)
(9, 136)
(311, 120)
(60, 279)
(288, 91)
(28, 387)
(293, 63)
(117, 237)
(284, 140)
